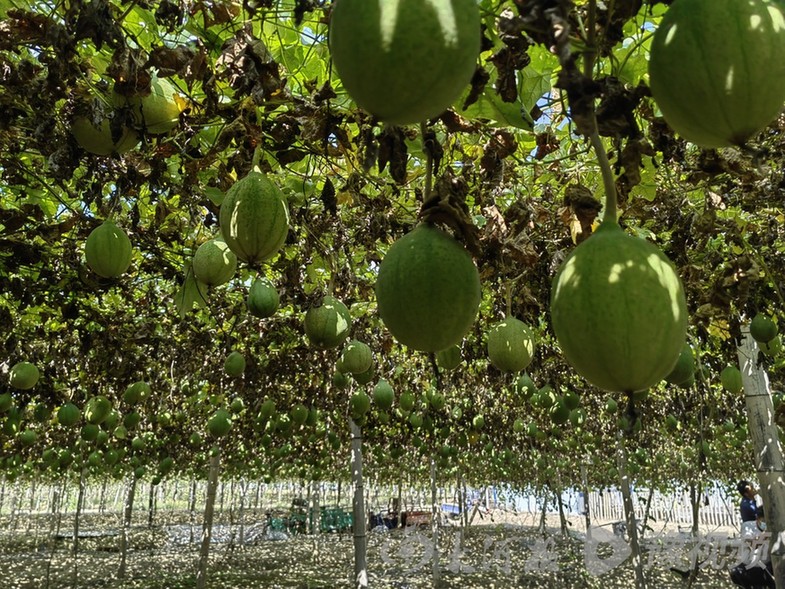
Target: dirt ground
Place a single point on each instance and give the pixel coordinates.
(499, 550)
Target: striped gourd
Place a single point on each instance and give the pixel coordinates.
(214, 263)
(327, 325)
(405, 61)
(108, 250)
(618, 311)
(428, 290)
(254, 218)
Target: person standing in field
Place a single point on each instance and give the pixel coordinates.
(749, 509)
(757, 572)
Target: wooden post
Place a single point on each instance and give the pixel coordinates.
(57, 519)
(585, 485)
(768, 449)
(243, 492)
(360, 538)
(695, 504)
(465, 504)
(150, 505)
(629, 514)
(435, 517)
(207, 525)
(102, 498)
(192, 509)
(77, 517)
(315, 515)
(563, 526)
(128, 511)
(31, 506)
(544, 510)
(647, 512)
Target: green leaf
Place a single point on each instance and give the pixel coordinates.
(214, 194)
(499, 113)
(536, 77)
(191, 292)
(648, 186)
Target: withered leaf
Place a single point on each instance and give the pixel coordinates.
(478, 83)
(583, 209)
(501, 145)
(393, 150)
(369, 149)
(95, 22)
(327, 196)
(127, 70)
(169, 14)
(289, 156)
(447, 205)
(615, 113)
(547, 143)
(301, 7)
(174, 60)
(457, 124)
(249, 67)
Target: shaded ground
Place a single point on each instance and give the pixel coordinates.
(485, 555)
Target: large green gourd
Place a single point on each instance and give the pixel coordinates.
(158, 111)
(137, 392)
(763, 329)
(450, 358)
(428, 290)
(327, 325)
(511, 345)
(97, 138)
(24, 375)
(263, 298)
(731, 380)
(618, 311)
(356, 358)
(108, 250)
(234, 364)
(68, 415)
(405, 61)
(383, 395)
(716, 68)
(214, 263)
(683, 372)
(219, 423)
(97, 409)
(254, 218)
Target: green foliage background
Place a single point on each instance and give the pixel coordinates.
(256, 79)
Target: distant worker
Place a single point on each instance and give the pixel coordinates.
(749, 509)
(757, 572)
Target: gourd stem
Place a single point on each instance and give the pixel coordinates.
(257, 156)
(331, 281)
(611, 213)
(611, 203)
(428, 165)
(590, 53)
(508, 294)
